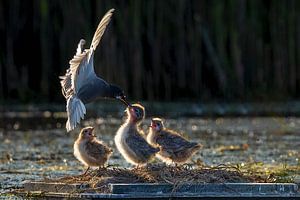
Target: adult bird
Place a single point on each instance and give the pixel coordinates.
(80, 85)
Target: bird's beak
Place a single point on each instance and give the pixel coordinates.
(123, 100)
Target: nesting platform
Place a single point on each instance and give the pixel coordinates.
(159, 182)
(166, 191)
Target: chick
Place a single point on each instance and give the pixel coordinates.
(131, 141)
(174, 148)
(90, 151)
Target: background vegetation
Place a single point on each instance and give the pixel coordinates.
(233, 50)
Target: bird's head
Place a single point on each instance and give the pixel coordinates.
(136, 112)
(118, 93)
(157, 124)
(87, 133)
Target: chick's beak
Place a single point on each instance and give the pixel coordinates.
(92, 131)
(152, 125)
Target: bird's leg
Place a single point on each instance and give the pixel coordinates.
(101, 167)
(138, 166)
(174, 164)
(101, 170)
(86, 170)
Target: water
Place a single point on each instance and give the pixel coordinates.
(33, 147)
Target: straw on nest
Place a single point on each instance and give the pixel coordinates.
(99, 179)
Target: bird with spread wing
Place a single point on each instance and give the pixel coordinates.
(80, 85)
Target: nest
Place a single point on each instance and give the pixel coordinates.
(99, 179)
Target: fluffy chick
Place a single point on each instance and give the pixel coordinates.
(174, 148)
(131, 141)
(90, 151)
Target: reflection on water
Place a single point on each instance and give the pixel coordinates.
(46, 150)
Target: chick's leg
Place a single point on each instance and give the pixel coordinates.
(86, 170)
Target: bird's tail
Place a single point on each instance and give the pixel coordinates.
(75, 110)
(196, 147)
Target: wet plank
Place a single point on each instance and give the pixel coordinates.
(165, 191)
(283, 189)
(168, 196)
(54, 187)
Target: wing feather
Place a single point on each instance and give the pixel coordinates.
(172, 141)
(140, 146)
(66, 84)
(81, 65)
(98, 150)
(101, 28)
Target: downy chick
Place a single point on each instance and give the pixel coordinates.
(130, 140)
(174, 148)
(90, 151)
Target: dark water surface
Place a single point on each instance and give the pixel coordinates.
(34, 147)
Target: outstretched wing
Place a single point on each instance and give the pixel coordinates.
(66, 84)
(81, 66)
(101, 28)
(66, 80)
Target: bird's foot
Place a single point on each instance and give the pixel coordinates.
(101, 168)
(137, 167)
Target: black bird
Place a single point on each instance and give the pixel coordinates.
(80, 85)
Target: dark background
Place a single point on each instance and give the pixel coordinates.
(209, 50)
